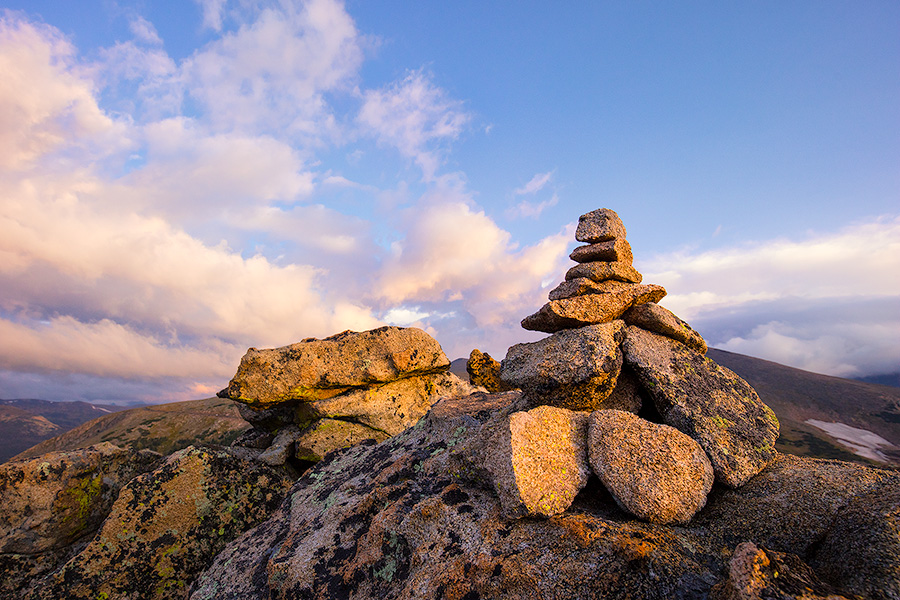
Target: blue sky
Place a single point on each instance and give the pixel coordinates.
(183, 180)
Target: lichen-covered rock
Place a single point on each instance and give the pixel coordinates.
(166, 526)
(707, 402)
(325, 435)
(574, 368)
(319, 369)
(617, 250)
(661, 320)
(484, 372)
(396, 520)
(390, 407)
(653, 471)
(578, 311)
(758, 574)
(861, 551)
(536, 460)
(50, 502)
(605, 271)
(599, 226)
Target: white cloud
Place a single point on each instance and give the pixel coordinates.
(532, 209)
(416, 117)
(143, 30)
(817, 304)
(45, 102)
(271, 75)
(212, 13)
(536, 184)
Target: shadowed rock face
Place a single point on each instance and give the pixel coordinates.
(407, 518)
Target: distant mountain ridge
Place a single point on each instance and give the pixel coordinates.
(25, 422)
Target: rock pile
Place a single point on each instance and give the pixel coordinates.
(617, 361)
(309, 398)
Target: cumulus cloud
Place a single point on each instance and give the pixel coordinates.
(415, 117)
(826, 303)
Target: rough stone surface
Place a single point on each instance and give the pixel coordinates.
(578, 311)
(618, 250)
(484, 372)
(166, 526)
(318, 369)
(395, 520)
(535, 460)
(599, 226)
(655, 318)
(391, 407)
(707, 402)
(758, 574)
(604, 271)
(861, 550)
(51, 502)
(325, 435)
(627, 394)
(574, 368)
(282, 447)
(653, 471)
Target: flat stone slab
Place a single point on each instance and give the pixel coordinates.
(318, 369)
(617, 250)
(603, 271)
(707, 402)
(653, 471)
(661, 320)
(578, 311)
(538, 460)
(391, 407)
(599, 226)
(574, 368)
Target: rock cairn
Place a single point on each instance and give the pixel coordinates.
(635, 400)
(309, 398)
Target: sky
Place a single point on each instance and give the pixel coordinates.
(182, 180)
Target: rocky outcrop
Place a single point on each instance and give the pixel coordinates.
(51, 503)
(484, 372)
(166, 526)
(405, 519)
(316, 396)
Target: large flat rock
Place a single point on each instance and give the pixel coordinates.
(617, 250)
(578, 311)
(574, 368)
(707, 402)
(603, 271)
(319, 369)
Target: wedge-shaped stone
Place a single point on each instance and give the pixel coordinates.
(325, 435)
(655, 318)
(653, 471)
(617, 250)
(391, 407)
(318, 369)
(599, 225)
(603, 271)
(707, 402)
(537, 460)
(484, 372)
(578, 311)
(575, 368)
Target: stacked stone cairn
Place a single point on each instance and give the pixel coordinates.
(315, 396)
(621, 388)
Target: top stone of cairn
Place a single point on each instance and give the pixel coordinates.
(599, 225)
